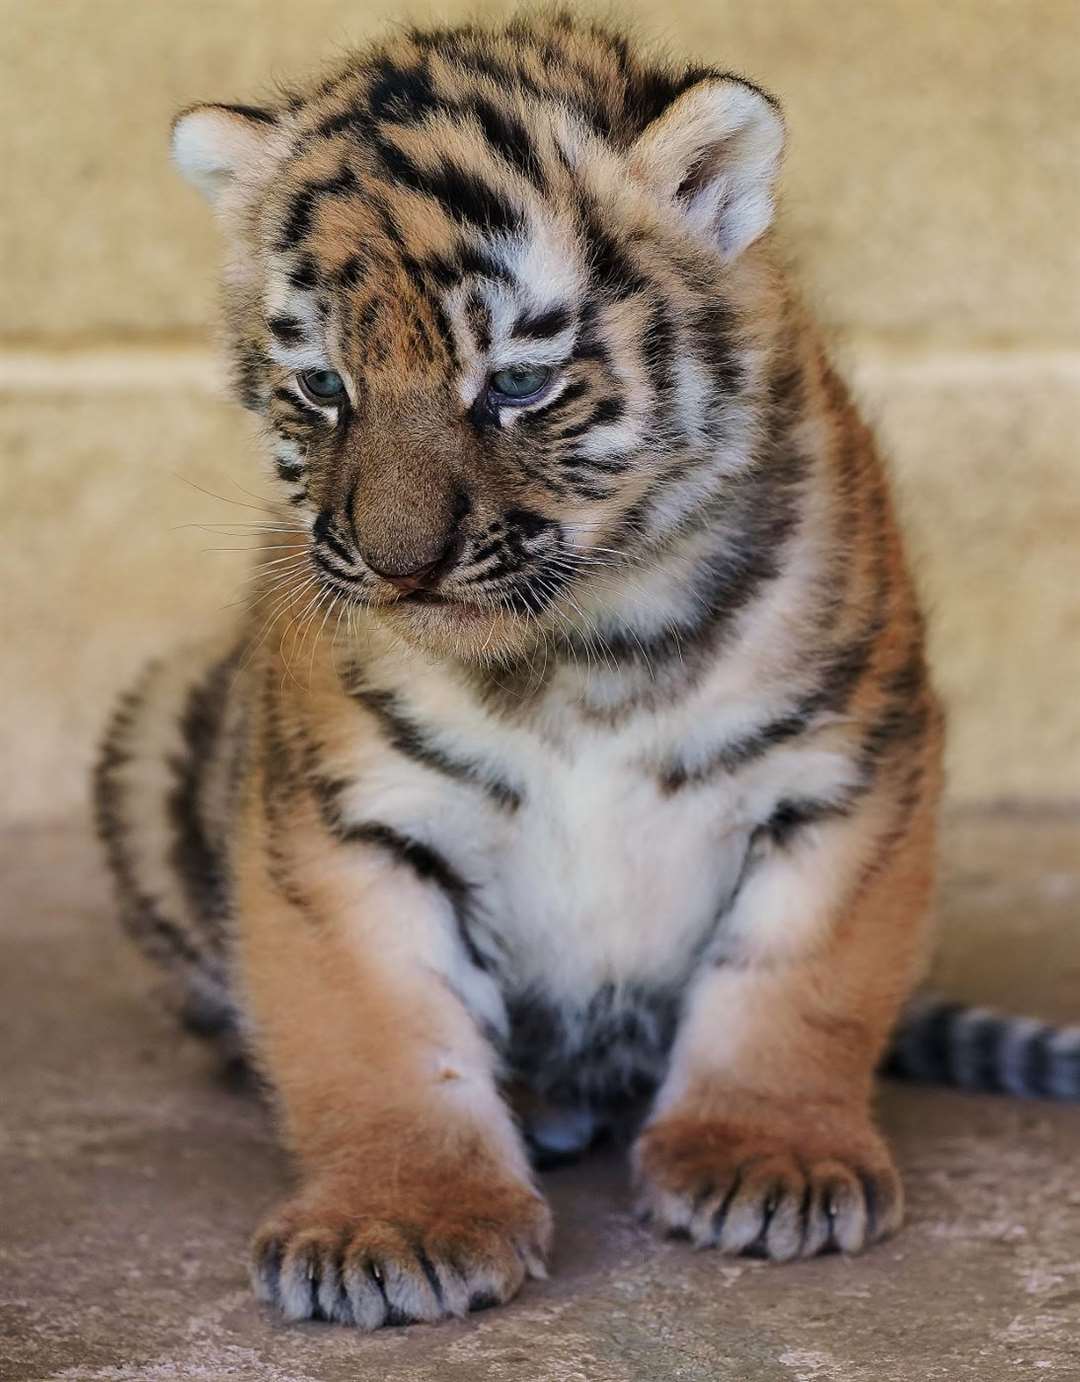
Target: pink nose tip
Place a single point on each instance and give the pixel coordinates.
(419, 578)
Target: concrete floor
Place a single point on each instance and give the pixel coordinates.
(131, 1179)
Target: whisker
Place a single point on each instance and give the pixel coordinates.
(280, 606)
(260, 547)
(266, 507)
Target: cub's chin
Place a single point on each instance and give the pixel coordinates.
(467, 632)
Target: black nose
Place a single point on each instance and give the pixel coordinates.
(425, 577)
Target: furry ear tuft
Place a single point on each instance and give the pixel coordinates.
(714, 153)
(213, 144)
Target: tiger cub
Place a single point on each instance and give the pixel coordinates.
(576, 753)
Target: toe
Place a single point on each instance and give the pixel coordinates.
(300, 1274)
(783, 1233)
(774, 1196)
(362, 1282)
(762, 1210)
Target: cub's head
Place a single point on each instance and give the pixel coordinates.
(494, 295)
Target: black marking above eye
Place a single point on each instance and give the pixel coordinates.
(305, 273)
(287, 330)
(322, 386)
(550, 322)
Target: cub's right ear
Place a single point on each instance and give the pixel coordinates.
(213, 145)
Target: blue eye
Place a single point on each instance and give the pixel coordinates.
(519, 383)
(323, 386)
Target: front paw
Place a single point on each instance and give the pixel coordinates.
(329, 1256)
(780, 1184)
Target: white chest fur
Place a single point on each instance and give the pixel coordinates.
(593, 890)
(595, 876)
(600, 878)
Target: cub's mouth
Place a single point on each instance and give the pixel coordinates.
(491, 626)
(432, 607)
(445, 624)
(426, 597)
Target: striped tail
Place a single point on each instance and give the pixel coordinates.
(939, 1042)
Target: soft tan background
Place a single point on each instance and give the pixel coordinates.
(932, 199)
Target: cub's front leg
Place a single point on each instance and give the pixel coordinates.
(415, 1199)
(762, 1140)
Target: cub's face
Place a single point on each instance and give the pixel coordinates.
(501, 344)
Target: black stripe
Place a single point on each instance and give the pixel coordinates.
(605, 411)
(605, 466)
(590, 344)
(658, 343)
(484, 64)
(353, 272)
(352, 121)
(736, 754)
(199, 861)
(256, 113)
(250, 366)
(714, 325)
(162, 938)
(522, 525)
(794, 814)
(299, 404)
(323, 532)
(289, 469)
(842, 672)
(409, 739)
(469, 259)
(280, 764)
(288, 330)
(612, 268)
(348, 576)
(462, 194)
(762, 505)
(508, 563)
(365, 320)
(584, 489)
(297, 221)
(937, 1042)
(510, 139)
(1037, 1066)
(305, 273)
(923, 1043)
(485, 553)
(905, 713)
(428, 1268)
(426, 863)
(945, 1043)
(478, 315)
(552, 321)
(446, 333)
(301, 209)
(650, 91)
(519, 527)
(536, 590)
(403, 95)
(542, 418)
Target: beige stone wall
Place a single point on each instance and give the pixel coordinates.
(932, 202)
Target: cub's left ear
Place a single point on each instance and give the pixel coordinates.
(213, 145)
(714, 152)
